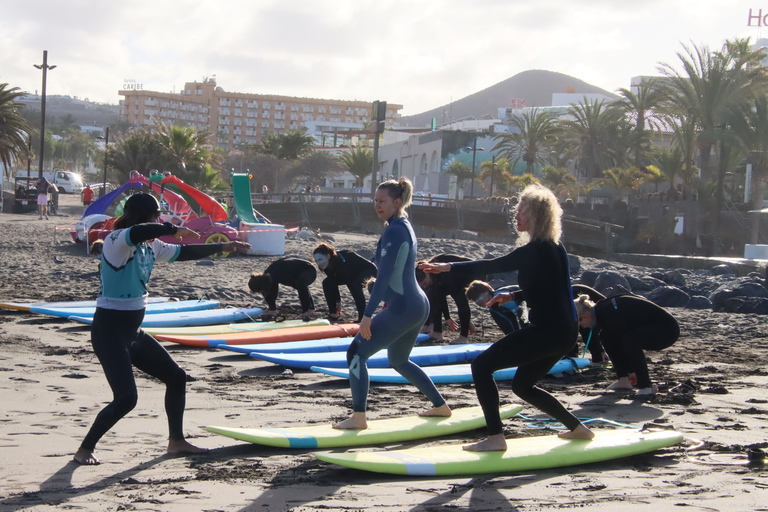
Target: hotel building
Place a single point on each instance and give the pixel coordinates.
(235, 118)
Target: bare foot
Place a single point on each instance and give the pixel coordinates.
(182, 446)
(85, 457)
(355, 422)
(461, 340)
(266, 315)
(443, 412)
(622, 383)
(494, 443)
(307, 314)
(580, 432)
(438, 336)
(472, 328)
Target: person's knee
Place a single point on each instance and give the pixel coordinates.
(125, 403)
(178, 381)
(351, 353)
(522, 389)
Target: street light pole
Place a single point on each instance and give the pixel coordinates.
(106, 147)
(45, 67)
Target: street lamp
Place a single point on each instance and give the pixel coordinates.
(45, 67)
(106, 147)
(474, 149)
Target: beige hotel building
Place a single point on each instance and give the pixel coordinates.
(237, 118)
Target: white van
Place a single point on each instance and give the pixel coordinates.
(66, 181)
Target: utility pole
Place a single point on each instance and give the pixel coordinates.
(45, 67)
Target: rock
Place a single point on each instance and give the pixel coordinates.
(645, 283)
(723, 269)
(574, 264)
(698, 302)
(668, 297)
(756, 305)
(610, 279)
(588, 278)
(674, 278)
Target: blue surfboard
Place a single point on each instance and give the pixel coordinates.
(188, 318)
(422, 356)
(450, 374)
(161, 307)
(309, 346)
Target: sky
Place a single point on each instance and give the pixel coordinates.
(421, 54)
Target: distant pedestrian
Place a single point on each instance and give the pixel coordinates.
(42, 197)
(87, 195)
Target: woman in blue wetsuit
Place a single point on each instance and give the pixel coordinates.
(396, 327)
(544, 280)
(127, 257)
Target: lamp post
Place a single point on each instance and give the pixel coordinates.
(106, 147)
(45, 67)
(474, 149)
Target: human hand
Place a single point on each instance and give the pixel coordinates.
(500, 298)
(182, 232)
(365, 327)
(435, 268)
(452, 325)
(235, 245)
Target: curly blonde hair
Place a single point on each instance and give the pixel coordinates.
(544, 212)
(583, 305)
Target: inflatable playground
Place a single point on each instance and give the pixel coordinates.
(189, 207)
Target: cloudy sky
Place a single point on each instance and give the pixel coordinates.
(418, 53)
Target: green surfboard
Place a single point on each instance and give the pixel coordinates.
(379, 431)
(523, 454)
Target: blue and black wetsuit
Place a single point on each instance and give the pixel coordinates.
(396, 327)
(544, 280)
(118, 341)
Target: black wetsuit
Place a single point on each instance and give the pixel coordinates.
(628, 325)
(453, 285)
(544, 280)
(116, 335)
(296, 273)
(350, 269)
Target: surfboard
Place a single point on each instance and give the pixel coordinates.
(183, 318)
(392, 430)
(230, 328)
(270, 336)
(26, 306)
(308, 346)
(422, 356)
(161, 307)
(449, 374)
(523, 454)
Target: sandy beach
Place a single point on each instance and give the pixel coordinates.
(713, 390)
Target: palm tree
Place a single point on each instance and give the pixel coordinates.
(622, 179)
(642, 108)
(560, 181)
(137, 150)
(359, 163)
(315, 168)
(185, 150)
(520, 182)
(710, 83)
(295, 144)
(599, 134)
(462, 172)
(668, 161)
(534, 143)
(14, 129)
(497, 170)
(748, 122)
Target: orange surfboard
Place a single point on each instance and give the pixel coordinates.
(310, 332)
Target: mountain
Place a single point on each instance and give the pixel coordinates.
(86, 113)
(535, 86)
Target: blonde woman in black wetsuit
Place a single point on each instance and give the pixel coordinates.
(544, 280)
